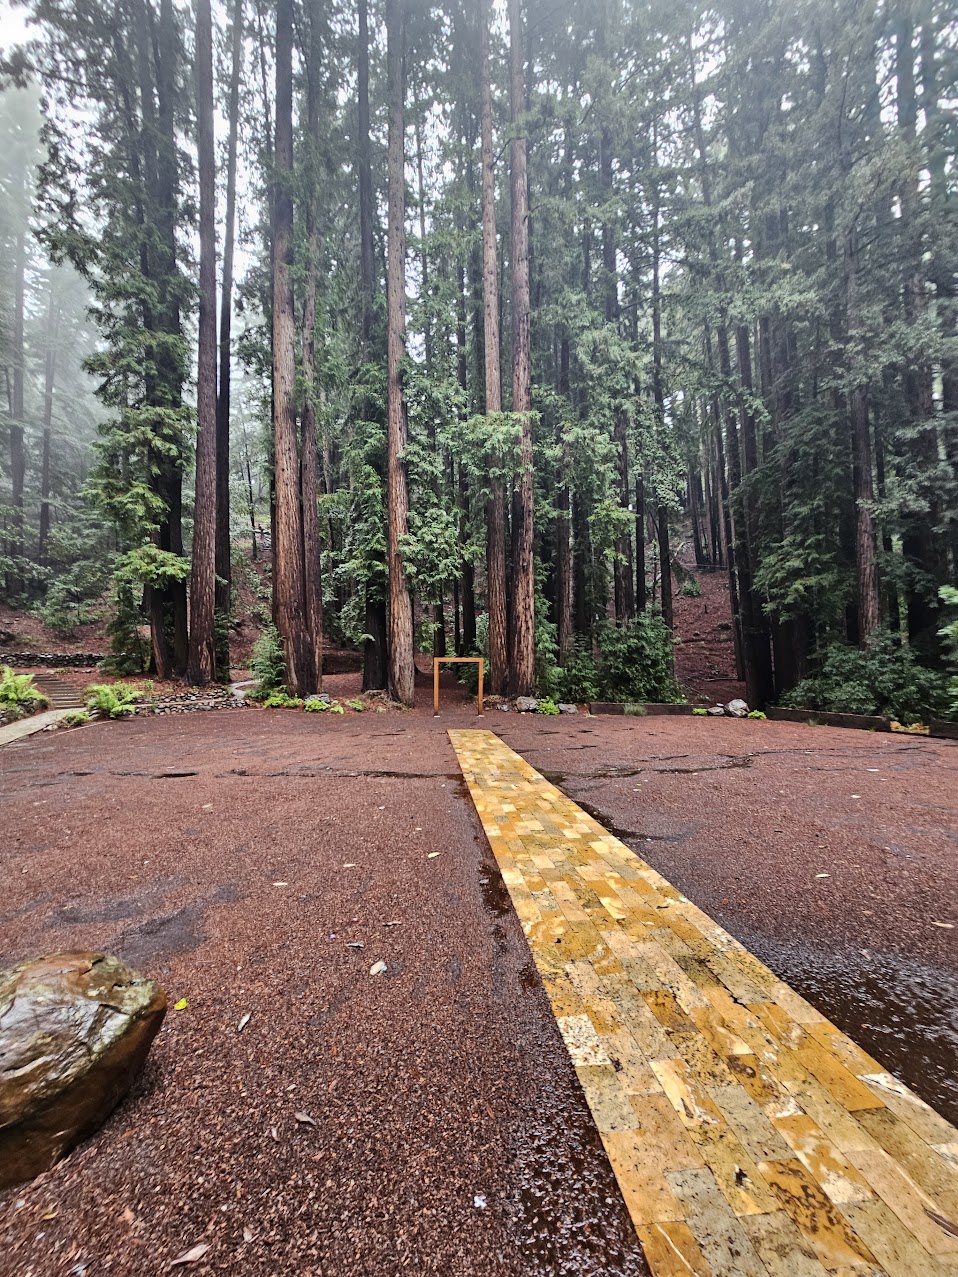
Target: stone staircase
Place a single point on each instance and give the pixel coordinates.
(60, 693)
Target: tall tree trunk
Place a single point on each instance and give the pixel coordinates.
(402, 669)
(288, 568)
(223, 549)
(374, 602)
(202, 658)
(496, 505)
(49, 381)
(522, 666)
(658, 395)
(312, 564)
(18, 467)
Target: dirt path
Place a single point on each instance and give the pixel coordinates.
(445, 1081)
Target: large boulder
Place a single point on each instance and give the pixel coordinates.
(75, 1029)
(737, 709)
(526, 704)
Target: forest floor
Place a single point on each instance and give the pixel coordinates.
(428, 1120)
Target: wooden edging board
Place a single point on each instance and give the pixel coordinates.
(864, 722)
(637, 710)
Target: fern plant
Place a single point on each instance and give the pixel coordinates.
(18, 694)
(112, 700)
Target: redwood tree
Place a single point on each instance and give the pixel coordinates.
(402, 668)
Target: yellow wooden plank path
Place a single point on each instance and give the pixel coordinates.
(749, 1136)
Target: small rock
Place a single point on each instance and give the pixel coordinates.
(568, 709)
(75, 1029)
(737, 709)
(526, 704)
(716, 710)
(503, 708)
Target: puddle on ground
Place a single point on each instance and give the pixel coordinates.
(902, 1011)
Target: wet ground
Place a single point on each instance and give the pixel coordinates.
(428, 1120)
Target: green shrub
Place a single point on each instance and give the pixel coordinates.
(281, 700)
(75, 718)
(357, 704)
(884, 678)
(691, 588)
(756, 713)
(547, 706)
(18, 694)
(112, 700)
(699, 712)
(949, 635)
(313, 705)
(268, 663)
(579, 677)
(635, 661)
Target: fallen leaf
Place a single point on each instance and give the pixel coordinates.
(946, 926)
(395, 923)
(181, 1005)
(247, 1235)
(53, 1212)
(275, 1133)
(434, 854)
(245, 1020)
(280, 884)
(823, 875)
(191, 1256)
(349, 865)
(305, 1119)
(378, 968)
(355, 944)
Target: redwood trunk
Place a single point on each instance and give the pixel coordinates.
(522, 673)
(223, 549)
(401, 656)
(288, 571)
(202, 659)
(496, 505)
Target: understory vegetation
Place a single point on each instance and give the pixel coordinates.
(19, 695)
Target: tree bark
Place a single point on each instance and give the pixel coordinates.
(522, 671)
(49, 382)
(496, 504)
(312, 563)
(401, 656)
(18, 466)
(202, 657)
(288, 568)
(223, 549)
(374, 603)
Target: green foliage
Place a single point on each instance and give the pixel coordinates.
(314, 705)
(755, 713)
(949, 636)
(578, 680)
(547, 706)
(357, 704)
(885, 678)
(18, 694)
(635, 661)
(268, 663)
(691, 588)
(699, 712)
(112, 700)
(282, 700)
(75, 718)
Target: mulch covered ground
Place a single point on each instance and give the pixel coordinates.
(427, 1120)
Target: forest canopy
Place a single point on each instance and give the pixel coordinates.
(460, 320)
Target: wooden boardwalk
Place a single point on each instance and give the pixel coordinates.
(749, 1136)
